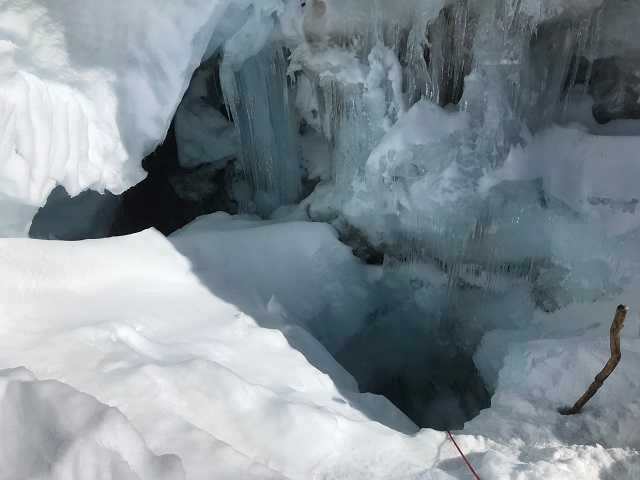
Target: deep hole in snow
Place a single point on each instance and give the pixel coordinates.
(421, 370)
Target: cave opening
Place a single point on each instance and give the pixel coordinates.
(170, 197)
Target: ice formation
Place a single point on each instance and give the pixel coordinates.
(480, 157)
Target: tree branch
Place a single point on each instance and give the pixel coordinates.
(616, 355)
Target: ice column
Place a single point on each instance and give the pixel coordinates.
(258, 98)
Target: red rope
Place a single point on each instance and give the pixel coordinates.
(471, 469)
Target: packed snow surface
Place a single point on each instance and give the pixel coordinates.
(190, 339)
(53, 431)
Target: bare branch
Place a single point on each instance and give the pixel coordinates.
(616, 355)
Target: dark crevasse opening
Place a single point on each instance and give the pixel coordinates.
(185, 178)
(423, 370)
(170, 197)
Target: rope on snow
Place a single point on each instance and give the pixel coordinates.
(466, 461)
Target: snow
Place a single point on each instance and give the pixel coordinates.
(310, 253)
(196, 375)
(192, 340)
(506, 222)
(88, 88)
(50, 430)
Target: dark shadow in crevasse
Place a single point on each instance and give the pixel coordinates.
(169, 198)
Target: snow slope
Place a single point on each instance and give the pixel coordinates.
(149, 330)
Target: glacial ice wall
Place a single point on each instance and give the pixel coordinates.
(485, 152)
(83, 99)
(512, 73)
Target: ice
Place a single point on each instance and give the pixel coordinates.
(438, 196)
(258, 98)
(421, 49)
(584, 170)
(427, 187)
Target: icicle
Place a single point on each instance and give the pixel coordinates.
(449, 56)
(258, 97)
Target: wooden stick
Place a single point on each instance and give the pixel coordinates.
(616, 355)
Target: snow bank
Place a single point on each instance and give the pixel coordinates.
(196, 375)
(51, 431)
(147, 330)
(330, 282)
(89, 88)
(541, 375)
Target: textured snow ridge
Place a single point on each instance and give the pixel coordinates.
(145, 325)
(51, 431)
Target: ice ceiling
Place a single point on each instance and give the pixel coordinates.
(484, 152)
